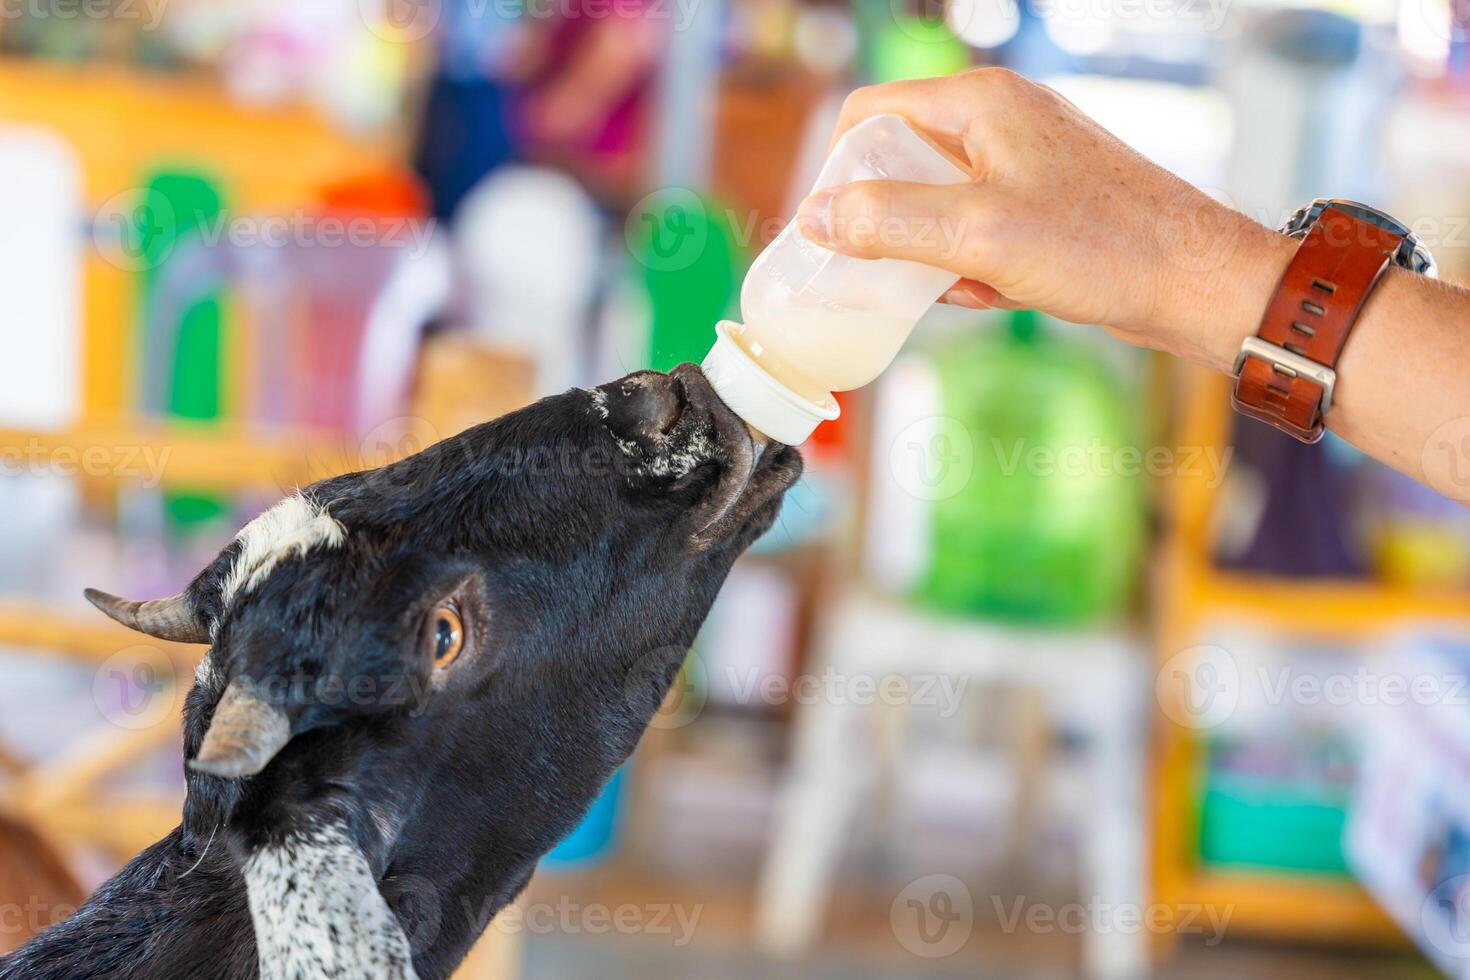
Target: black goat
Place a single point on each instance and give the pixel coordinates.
(419, 679)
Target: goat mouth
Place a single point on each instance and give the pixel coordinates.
(742, 447)
(757, 470)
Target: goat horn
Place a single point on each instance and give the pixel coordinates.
(246, 733)
(165, 619)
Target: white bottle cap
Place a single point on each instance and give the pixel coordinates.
(766, 405)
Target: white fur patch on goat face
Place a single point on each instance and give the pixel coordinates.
(674, 455)
(678, 461)
(318, 912)
(292, 527)
(599, 401)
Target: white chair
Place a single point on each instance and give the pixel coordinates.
(830, 773)
(529, 244)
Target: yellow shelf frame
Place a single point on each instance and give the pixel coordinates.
(1191, 594)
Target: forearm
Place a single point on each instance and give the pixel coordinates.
(1403, 380)
(1061, 216)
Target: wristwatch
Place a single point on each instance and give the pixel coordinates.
(1286, 373)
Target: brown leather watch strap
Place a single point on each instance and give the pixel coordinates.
(1307, 323)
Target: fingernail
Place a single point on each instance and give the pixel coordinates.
(960, 297)
(814, 217)
(966, 296)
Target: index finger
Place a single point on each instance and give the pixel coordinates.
(954, 111)
(935, 105)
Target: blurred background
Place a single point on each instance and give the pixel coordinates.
(1051, 668)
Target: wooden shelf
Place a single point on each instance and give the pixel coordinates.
(87, 637)
(203, 457)
(1287, 906)
(1346, 607)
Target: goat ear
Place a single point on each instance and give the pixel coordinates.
(245, 734)
(164, 619)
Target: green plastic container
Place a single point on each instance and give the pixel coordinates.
(179, 205)
(691, 264)
(1049, 527)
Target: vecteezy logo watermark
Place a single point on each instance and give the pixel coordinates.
(387, 442)
(1099, 917)
(1199, 687)
(654, 688)
(668, 230)
(1446, 459)
(1199, 229)
(933, 916)
(1361, 687)
(135, 688)
(1444, 917)
(150, 12)
(1443, 20)
(134, 229)
(404, 21)
(139, 229)
(933, 458)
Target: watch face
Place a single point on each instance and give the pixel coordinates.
(1411, 253)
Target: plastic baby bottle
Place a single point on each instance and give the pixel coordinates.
(817, 321)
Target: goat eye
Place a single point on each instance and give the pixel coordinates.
(446, 634)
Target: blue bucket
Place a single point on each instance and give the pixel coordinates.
(595, 836)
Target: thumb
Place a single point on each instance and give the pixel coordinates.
(874, 219)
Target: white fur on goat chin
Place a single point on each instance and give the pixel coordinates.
(318, 912)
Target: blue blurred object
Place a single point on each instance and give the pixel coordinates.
(466, 134)
(808, 510)
(596, 835)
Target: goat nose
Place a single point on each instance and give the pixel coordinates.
(644, 406)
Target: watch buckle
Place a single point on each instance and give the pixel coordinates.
(1291, 365)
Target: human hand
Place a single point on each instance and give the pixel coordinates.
(1061, 216)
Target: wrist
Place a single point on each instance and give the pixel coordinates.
(1214, 303)
(1239, 297)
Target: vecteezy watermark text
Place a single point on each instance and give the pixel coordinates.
(138, 229)
(1203, 687)
(38, 457)
(150, 12)
(673, 920)
(1100, 917)
(407, 21)
(1100, 458)
(944, 692)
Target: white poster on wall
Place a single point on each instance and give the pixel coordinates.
(40, 278)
